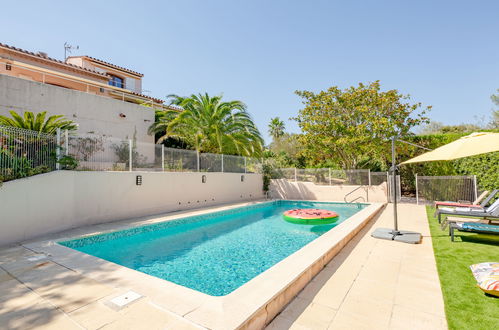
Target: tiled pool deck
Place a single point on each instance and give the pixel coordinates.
(369, 284)
(374, 284)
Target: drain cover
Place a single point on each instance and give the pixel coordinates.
(37, 257)
(124, 299)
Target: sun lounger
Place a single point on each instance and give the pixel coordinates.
(491, 212)
(483, 202)
(473, 227)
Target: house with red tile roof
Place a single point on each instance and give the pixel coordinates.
(82, 73)
(101, 97)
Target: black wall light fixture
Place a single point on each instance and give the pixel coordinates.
(138, 180)
(242, 178)
(203, 179)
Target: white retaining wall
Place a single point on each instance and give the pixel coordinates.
(61, 200)
(93, 113)
(285, 189)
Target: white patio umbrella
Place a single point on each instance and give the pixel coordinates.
(467, 146)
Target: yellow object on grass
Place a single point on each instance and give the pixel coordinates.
(490, 285)
(487, 277)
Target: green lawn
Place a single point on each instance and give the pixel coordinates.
(466, 306)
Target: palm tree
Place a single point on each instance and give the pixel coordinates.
(38, 122)
(276, 128)
(210, 125)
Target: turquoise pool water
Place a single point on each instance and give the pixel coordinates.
(214, 253)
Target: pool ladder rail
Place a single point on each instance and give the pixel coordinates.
(360, 197)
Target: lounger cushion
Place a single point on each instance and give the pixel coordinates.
(479, 227)
(487, 277)
(453, 204)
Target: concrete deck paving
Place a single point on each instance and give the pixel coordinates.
(369, 284)
(374, 284)
(38, 294)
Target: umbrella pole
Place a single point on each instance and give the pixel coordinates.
(394, 190)
(395, 234)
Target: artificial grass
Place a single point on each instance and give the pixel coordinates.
(466, 306)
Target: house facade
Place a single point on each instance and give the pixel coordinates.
(118, 76)
(81, 73)
(102, 98)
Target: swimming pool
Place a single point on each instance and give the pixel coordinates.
(213, 253)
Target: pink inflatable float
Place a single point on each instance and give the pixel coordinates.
(310, 216)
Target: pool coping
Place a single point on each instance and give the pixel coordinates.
(253, 305)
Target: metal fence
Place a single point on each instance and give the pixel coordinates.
(378, 178)
(446, 188)
(22, 152)
(96, 152)
(104, 153)
(325, 176)
(25, 152)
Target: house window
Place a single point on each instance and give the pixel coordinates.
(116, 81)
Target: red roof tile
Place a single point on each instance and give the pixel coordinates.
(51, 59)
(109, 64)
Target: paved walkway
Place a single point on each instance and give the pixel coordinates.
(45, 295)
(374, 284)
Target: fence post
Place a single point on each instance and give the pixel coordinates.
(369, 176)
(222, 165)
(130, 153)
(417, 191)
(245, 170)
(476, 188)
(295, 175)
(58, 149)
(66, 142)
(330, 176)
(197, 159)
(163, 157)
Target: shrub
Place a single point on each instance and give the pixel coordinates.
(485, 167)
(68, 163)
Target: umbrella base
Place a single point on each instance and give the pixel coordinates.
(404, 236)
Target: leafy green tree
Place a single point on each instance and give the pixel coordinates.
(211, 125)
(348, 125)
(288, 150)
(276, 128)
(158, 129)
(38, 122)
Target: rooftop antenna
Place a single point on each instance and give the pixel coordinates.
(68, 49)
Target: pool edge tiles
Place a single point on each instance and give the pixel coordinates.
(253, 305)
(213, 253)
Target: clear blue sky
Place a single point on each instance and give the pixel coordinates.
(442, 53)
